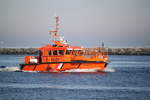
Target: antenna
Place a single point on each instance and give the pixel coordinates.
(57, 24)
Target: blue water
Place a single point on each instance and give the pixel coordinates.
(130, 81)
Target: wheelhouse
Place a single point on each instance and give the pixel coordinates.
(59, 53)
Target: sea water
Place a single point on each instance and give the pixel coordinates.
(126, 78)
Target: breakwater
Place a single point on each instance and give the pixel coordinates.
(129, 51)
(89, 51)
(121, 51)
(18, 51)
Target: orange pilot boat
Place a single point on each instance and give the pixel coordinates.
(60, 56)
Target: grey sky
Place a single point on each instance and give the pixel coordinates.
(118, 23)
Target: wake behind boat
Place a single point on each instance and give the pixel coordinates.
(59, 56)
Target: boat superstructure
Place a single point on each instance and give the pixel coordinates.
(59, 56)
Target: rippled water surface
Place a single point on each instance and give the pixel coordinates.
(129, 80)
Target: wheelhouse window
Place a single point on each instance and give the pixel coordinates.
(55, 52)
(61, 52)
(74, 52)
(68, 52)
(50, 52)
(80, 52)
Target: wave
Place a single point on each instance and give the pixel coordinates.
(84, 87)
(82, 70)
(74, 87)
(31, 71)
(91, 70)
(17, 69)
(109, 70)
(9, 69)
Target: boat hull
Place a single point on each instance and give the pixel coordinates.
(63, 66)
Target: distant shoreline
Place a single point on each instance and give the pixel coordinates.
(111, 51)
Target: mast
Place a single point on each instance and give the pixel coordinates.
(55, 36)
(55, 33)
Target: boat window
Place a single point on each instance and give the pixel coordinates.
(55, 52)
(68, 52)
(50, 52)
(80, 52)
(74, 52)
(54, 45)
(61, 52)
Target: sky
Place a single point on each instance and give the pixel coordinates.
(88, 23)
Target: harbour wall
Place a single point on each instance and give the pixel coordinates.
(129, 51)
(18, 51)
(89, 51)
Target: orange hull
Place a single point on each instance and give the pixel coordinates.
(58, 67)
